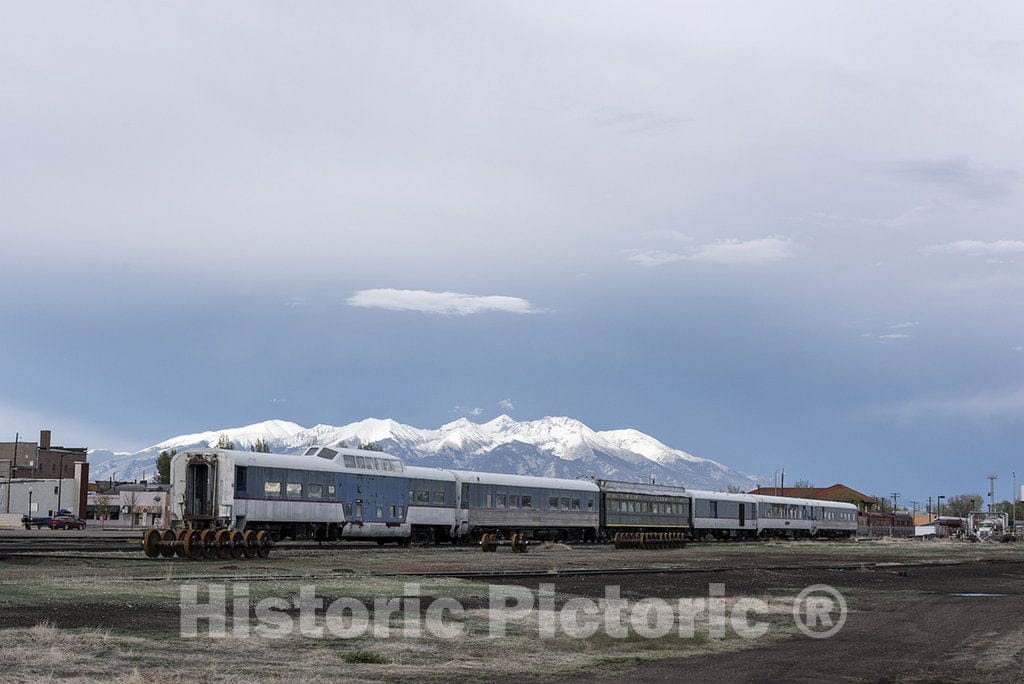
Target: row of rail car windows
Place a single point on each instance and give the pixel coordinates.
(531, 498)
(384, 463)
(799, 512)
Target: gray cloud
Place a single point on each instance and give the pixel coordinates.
(962, 174)
(758, 251)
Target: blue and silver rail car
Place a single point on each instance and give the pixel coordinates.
(434, 512)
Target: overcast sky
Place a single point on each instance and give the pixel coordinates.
(772, 234)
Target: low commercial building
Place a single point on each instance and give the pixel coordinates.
(127, 504)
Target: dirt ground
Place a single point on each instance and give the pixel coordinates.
(70, 615)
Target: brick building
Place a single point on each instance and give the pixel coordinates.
(837, 492)
(39, 459)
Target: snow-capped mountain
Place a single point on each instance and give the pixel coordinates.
(551, 446)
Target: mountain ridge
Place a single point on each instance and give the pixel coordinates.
(553, 446)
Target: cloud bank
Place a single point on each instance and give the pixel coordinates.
(445, 303)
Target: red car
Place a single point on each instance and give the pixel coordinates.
(66, 522)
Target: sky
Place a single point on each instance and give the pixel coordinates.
(778, 235)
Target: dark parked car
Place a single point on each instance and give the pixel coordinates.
(66, 521)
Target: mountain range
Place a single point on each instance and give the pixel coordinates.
(550, 446)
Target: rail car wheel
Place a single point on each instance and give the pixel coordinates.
(151, 542)
(208, 543)
(222, 541)
(237, 545)
(167, 543)
(179, 547)
(190, 545)
(249, 543)
(263, 543)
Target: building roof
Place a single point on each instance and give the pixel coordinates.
(820, 493)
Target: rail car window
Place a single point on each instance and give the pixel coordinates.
(564, 502)
(241, 479)
(294, 490)
(329, 454)
(575, 504)
(359, 509)
(423, 496)
(310, 451)
(350, 461)
(513, 501)
(526, 501)
(315, 491)
(360, 462)
(553, 502)
(348, 510)
(590, 504)
(499, 500)
(271, 489)
(401, 511)
(330, 491)
(380, 511)
(391, 510)
(489, 501)
(438, 497)
(377, 465)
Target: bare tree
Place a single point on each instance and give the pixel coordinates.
(133, 505)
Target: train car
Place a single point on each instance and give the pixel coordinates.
(540, 507)
(875, 524)
(783, 516)
(325, 493)
(435, 514)
(638, 507)
(722, 515)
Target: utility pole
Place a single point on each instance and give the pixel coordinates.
(1013, 504)
(895, 495)
(992, 493)
(930, 507)
(10, 472)
(913, 507)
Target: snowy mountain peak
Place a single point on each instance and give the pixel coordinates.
(553, 446)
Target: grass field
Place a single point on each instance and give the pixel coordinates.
(119, 617)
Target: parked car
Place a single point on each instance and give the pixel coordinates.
(38, 520)
(66, 521)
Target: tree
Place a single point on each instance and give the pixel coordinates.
(962, 505)
(101, 509)
(163, 467)
(261, 446)
(882, 504)
(369, 447)
(734, 489)
(224, 443)
(803, 484)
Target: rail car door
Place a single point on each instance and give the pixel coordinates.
(200, 483)
(743, 514)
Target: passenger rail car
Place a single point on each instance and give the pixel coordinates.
(636, 507)
(540, 507)
(330, 493)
